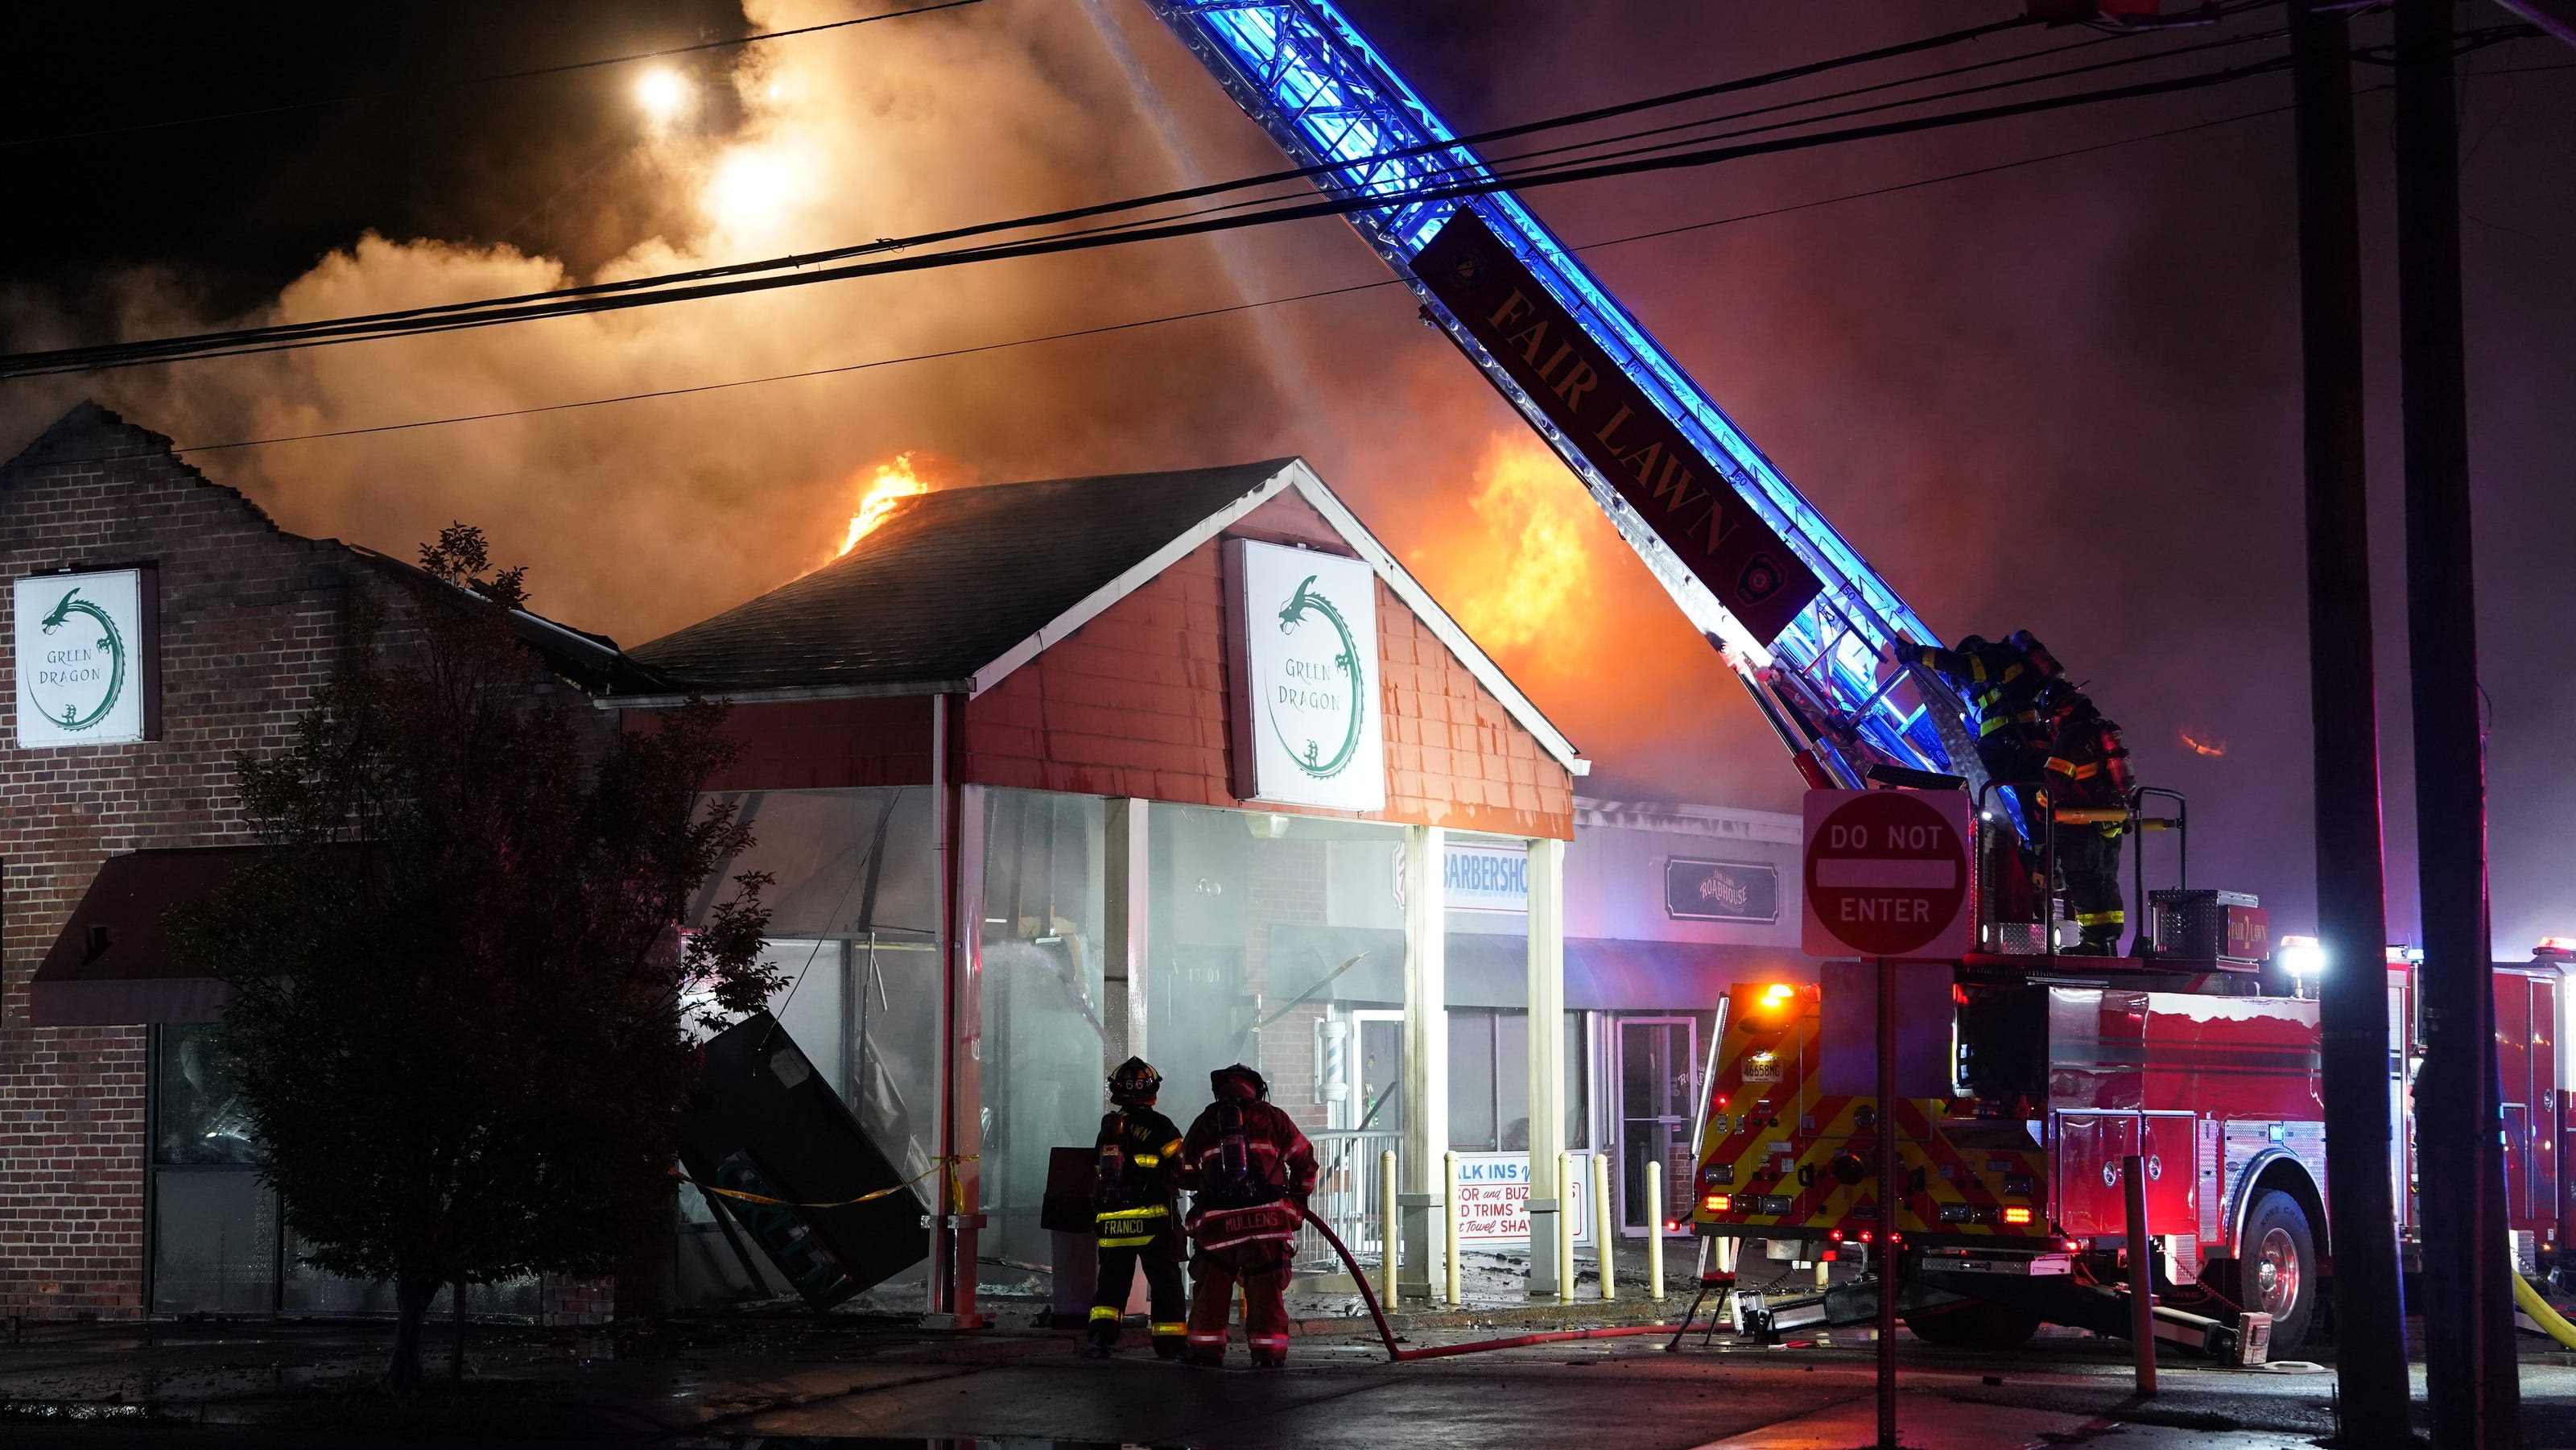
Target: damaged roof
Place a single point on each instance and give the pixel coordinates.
(949, 582)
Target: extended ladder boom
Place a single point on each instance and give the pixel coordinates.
(1326, 96)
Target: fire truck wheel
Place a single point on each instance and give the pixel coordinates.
(2276, 1268)
(1972, 1326)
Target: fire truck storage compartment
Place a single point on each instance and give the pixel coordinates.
(2526, 1013)
(2092, 1202)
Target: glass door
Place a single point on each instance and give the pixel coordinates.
(1378, 1104)
(1657, 1074)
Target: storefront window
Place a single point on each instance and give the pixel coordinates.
(1046, 1035)
(215, 1230)
(1489, 1081)
(1261, 928)
(854, 918)
(854, 937)
(200, 1117)
(1471, 1081)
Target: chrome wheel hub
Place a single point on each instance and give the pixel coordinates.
(2276, 1273)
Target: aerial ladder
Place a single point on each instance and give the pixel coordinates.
(1798, 614)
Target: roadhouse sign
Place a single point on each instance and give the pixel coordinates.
(1887, 873)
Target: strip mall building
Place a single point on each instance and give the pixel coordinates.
(1179, 764)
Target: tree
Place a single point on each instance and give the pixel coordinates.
(460, 990)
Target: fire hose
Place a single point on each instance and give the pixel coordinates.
(1368, 1296)
(2551, 1322)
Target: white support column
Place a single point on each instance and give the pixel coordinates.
(1124, 878)
(1426, 1049)
(1546, 1062)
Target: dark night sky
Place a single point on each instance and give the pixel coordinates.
(2062, 397)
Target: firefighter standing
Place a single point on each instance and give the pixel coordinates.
(1250, 1170)
(2088, 767)
(1140, 1165)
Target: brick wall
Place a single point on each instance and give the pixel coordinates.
(250, 623)
(253, 620)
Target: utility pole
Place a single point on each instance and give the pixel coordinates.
(2469, 1349)
(2352, 921)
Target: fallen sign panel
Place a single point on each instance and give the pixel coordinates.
(1887, 874)
(766, 1126)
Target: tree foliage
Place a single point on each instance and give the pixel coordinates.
(459, 987)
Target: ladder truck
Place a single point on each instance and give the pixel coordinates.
(2191, 1052)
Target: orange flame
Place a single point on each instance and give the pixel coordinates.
(1541, 575)
(893, 481)
(2211, 746)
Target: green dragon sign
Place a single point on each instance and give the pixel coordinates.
(1309, 753)
(77, 695)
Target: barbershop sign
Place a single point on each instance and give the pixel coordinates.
(1307, 728)
(1679, 491)
(87, 659)
(1486, 878)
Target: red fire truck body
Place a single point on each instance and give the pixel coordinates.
(2064, 1066)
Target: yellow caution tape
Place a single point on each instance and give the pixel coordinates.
(2551, 1322)
(762, 1198)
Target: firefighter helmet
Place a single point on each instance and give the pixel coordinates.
(1135, 1081)
(1250, 1079)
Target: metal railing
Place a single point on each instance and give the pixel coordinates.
(1348, 1197)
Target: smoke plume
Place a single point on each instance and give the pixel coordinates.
(2061, 397)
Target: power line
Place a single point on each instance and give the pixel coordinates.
(1207, 312)
(391, 92)
(1318, 173)
(420, 321)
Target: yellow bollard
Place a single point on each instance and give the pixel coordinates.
(1387, 1229)
(1655, 1231)
(1565, 1201)
(1449, 1218)
(1604, 1236)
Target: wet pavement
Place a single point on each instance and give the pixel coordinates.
(773, 1380)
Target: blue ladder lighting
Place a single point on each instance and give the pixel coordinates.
(1329, 100)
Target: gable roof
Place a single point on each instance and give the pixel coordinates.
(957, 588)
(946, 583)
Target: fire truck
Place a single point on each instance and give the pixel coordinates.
(2196, 1051)
(2199, 1054)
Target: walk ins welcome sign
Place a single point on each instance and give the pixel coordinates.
(1308, 729)
(87, 658)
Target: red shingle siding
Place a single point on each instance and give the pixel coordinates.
(823, 744)
(1135, 703)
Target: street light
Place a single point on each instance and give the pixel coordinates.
(663, 93)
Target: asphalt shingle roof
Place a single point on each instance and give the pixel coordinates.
(948, 582)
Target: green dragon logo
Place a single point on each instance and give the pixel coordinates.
(1309, 754)
(70, 716)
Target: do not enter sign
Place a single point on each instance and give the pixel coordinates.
(1887, 873)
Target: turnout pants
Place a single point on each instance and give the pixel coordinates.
(1168, 1302)
(1262, 1269)
(2090, 857)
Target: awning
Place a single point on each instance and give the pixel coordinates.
(113, 966)
(1602, 974)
